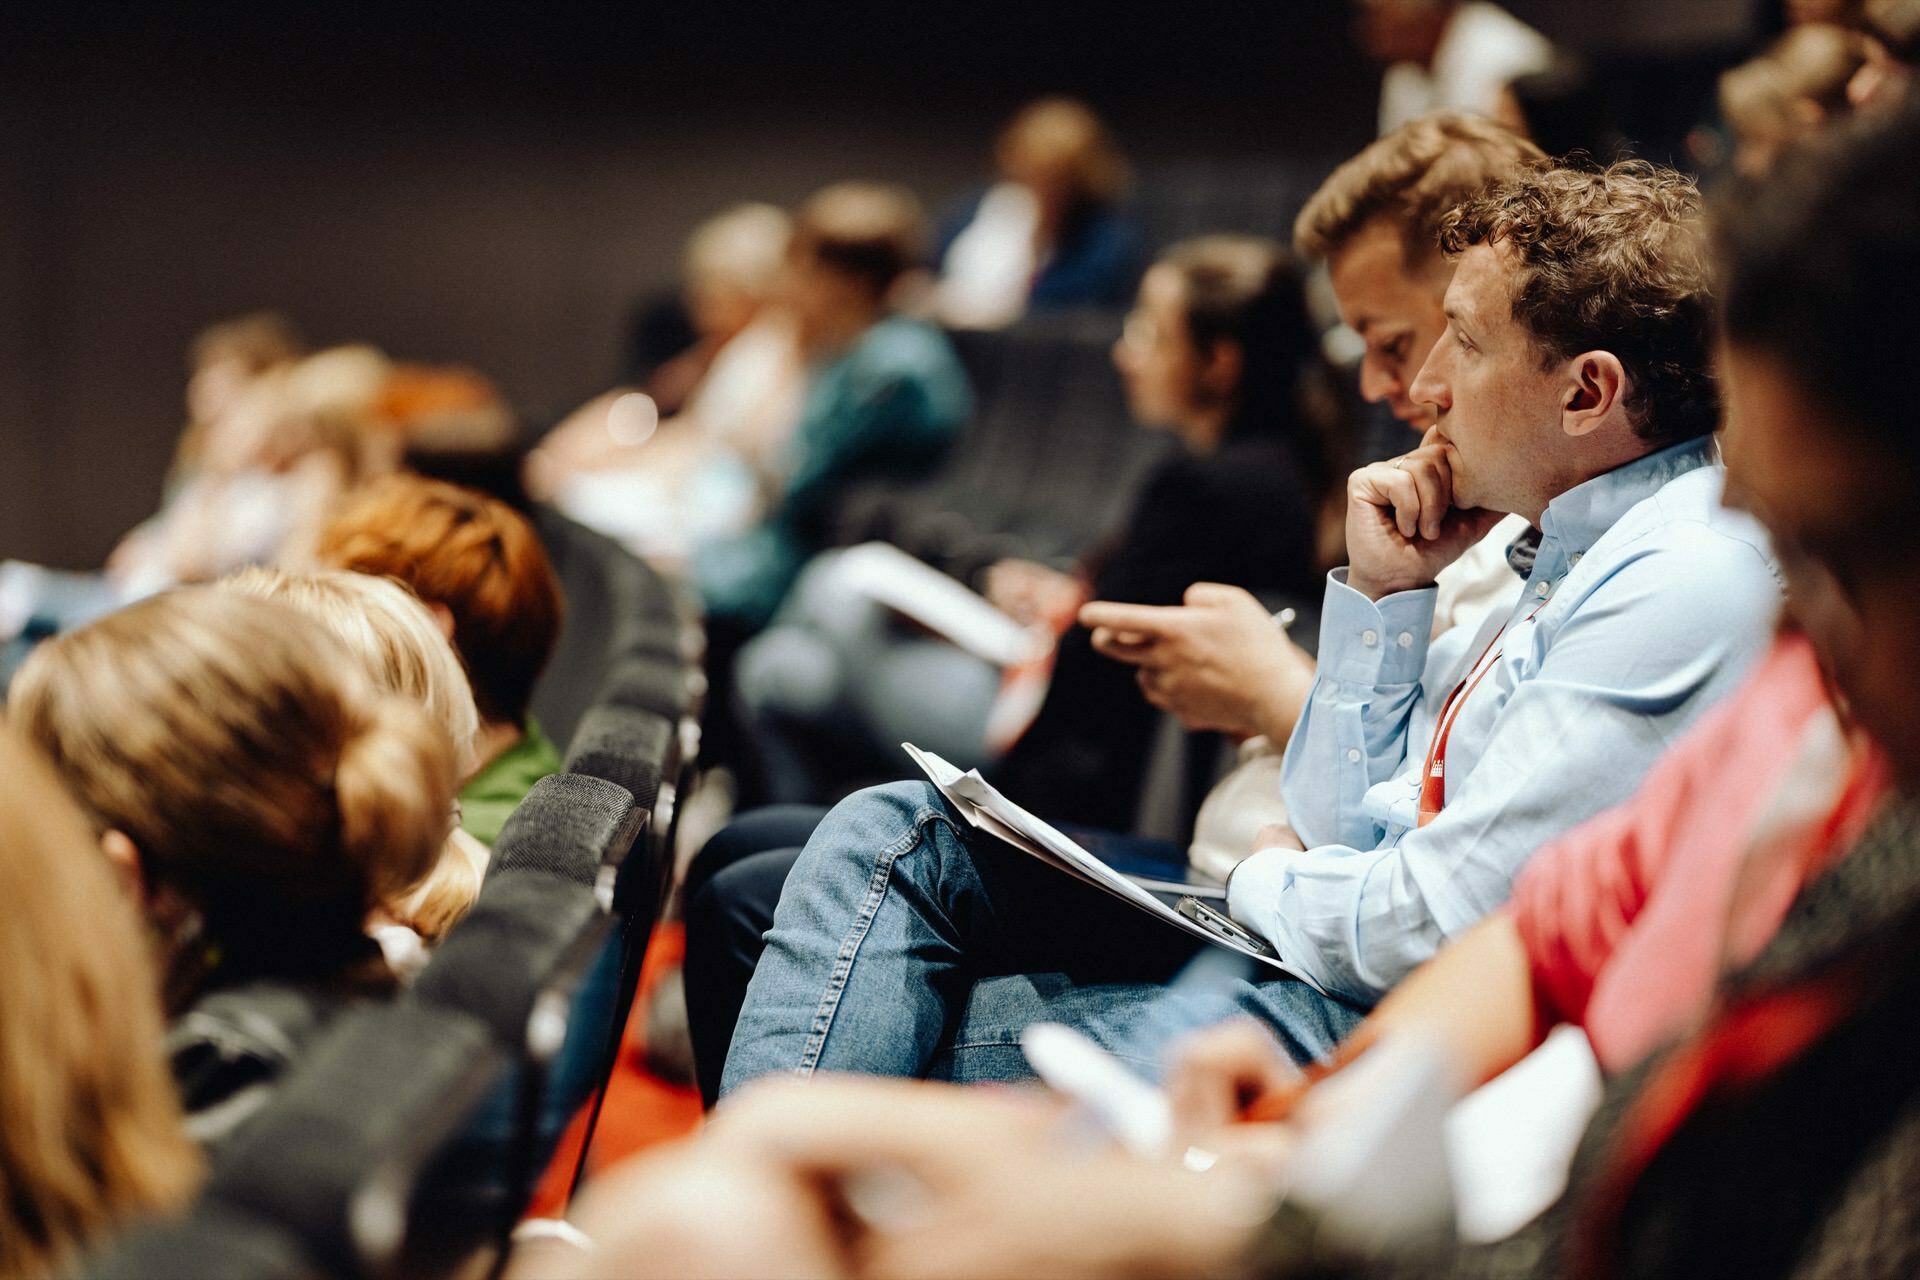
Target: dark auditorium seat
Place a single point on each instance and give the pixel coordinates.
(336, 1156)
(571, 825)
(615, 605)
(1048, 464)
(212, 1242)
(1253, 197)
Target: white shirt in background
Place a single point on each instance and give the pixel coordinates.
(1485, 48)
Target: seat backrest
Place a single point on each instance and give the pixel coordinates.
(650, 683)
(570, 825)
(212, 1242)
(334, 1157)
(528, 937)
(631, 745)
(615, 604)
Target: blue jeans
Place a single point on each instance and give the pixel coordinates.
(906, 943)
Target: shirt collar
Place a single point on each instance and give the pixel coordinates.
(1576, 519)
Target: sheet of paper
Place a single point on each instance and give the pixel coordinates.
(893, 578)
(983, 806)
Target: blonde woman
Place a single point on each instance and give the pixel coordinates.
(89, 1126)
(397, 641)
(260, 799)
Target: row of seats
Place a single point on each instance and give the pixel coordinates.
(411, 1137)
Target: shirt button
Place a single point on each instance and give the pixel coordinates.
(1575, 559)
(1404, 640)
(1370, 638)
(1541, 589)
(1353, 755)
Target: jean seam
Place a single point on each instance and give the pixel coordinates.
(877, 883)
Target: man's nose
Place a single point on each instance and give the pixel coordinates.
(1377, 382)
(1430, 384)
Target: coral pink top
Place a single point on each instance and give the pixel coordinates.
(1630, 918)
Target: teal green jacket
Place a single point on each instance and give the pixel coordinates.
(890, 406)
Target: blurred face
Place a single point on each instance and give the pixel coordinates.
(719, 308)
(1494, 407)
(1397, 314)
(1156, 355)
(1838, 518)
(825, 302)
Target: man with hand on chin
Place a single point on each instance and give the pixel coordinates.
(1571, 385)
(1216, 661)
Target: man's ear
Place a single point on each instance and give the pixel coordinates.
(124, 857)
(1594, 393)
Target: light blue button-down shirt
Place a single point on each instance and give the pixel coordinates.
(1648, 600)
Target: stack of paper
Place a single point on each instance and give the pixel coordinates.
(985, 808)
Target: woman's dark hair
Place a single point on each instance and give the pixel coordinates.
(1820, 267)
(1247, 290)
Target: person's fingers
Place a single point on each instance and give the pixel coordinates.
(1436, 493)
(1215, 595)
(1142, 619)
(1391, 489)
(1125, 646)
(1153, 686)
(1222, 1072)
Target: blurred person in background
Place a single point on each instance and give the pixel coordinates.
(1215, 352)
(1445, 55)
(401, 647)
(1791, 91)
(269, 468)
(1050, 234)
(90, 1127)
(1219, 350)
(886, 397)
(1892, 31)
(227, 363)
(260, 800)
(479, 567)
(660, 477)
(225, 359)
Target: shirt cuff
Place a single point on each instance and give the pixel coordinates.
(1254, 888)
(1374, 642)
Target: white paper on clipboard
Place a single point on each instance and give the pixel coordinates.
(984, 807)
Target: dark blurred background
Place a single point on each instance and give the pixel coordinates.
(495, 186)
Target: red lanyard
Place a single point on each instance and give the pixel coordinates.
(1433, 780)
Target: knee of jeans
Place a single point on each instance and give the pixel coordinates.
(788, 671)
(873, 822)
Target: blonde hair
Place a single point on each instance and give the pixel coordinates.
(1412, 177)
(394, 637)
(253, 766)
(744, 246)
(90, 1129)
(1064, 136)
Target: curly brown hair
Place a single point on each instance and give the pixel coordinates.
(1610, 258)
